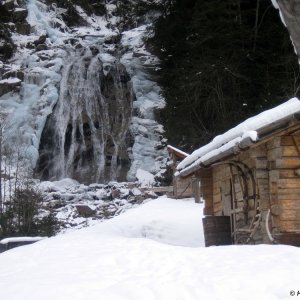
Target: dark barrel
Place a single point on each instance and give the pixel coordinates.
(288, 238)
(217, 230)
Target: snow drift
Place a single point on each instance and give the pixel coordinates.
(152, 252)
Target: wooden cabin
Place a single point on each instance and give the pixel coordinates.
(183, 187)
(250, 180)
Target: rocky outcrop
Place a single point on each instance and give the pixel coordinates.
(4, 13)
(13, 73)
(19, 14)
(23, 28)
(7, 46)
(12, 19)
(70, 16)
(41, 47)
(40, 40)
(77, 205)
(8, 4)
(9, 85)
(85, 210)
(96, 7)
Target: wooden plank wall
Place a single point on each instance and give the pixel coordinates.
(261, 174)
(285, 183)
(226, 180)
(183, 187)
(221, 189)
(206, 184)
(276, 168)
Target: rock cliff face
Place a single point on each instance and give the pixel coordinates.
(76, 90)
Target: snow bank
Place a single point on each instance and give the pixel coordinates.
(133, 257)
(21, 239)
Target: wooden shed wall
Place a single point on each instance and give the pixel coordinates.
(227, 187)
(224, 194)
(275, 166)
(285, 184)
(183, 187)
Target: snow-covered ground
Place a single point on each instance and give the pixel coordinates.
(151, 252)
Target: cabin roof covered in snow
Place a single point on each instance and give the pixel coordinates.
(240, 137)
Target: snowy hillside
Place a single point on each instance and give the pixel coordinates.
(152, 252)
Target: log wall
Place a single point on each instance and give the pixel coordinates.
(183, 187)
(275, 165)
(224, 193)
(285, 184)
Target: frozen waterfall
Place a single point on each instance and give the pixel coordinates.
(87, 135)
(85, 105)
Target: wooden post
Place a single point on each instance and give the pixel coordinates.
(174, 159)
(196, 190)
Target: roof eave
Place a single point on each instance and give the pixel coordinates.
(263, 133)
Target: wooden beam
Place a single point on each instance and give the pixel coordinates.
(177, 152)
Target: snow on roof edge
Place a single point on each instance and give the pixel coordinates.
(176, 150)
(238, 135)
